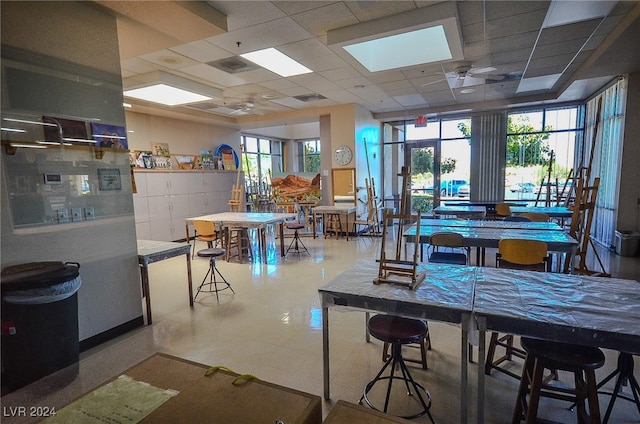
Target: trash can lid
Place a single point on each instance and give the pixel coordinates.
(37, 275)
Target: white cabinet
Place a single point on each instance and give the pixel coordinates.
(164, 200)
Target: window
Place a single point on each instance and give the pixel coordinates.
(261, 157)
(540, 154)
(310, 156)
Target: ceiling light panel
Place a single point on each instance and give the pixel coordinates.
(276, 62)
(425, 35)
(426, 45)
(169, 89)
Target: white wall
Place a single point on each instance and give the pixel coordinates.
(183, 137)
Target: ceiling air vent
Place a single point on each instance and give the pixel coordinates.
(309, 97)
(233, 65)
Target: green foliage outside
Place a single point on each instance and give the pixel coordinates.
(422, 164)
(311, 159)
(422, 202)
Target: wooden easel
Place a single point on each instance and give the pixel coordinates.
(583, 210)
(396, 270)
(237, 194)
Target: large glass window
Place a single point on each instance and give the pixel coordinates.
(540, 154)
(437, 173)
(310, 157)
(261, 157)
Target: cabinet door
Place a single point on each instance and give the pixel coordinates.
(158, 183)
(196, 183)
(159, 207)
(141, 209)
(143, 231)
(141, 184)
(161, 230)
(199, 204)
(179, 182)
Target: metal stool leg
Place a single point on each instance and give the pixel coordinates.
(213, 282)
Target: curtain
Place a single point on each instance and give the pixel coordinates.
(607, 156)
(488, 156)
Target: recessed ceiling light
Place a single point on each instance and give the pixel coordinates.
(277, 62)
(402, 50)
(467, 90)
(168, 89)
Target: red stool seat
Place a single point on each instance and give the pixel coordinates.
(398, 331)
(394, 329)
(295, 226)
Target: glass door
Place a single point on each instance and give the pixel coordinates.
(424, 192)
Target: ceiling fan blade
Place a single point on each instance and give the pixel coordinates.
(433, 82)
(482, 70)
(492, 77)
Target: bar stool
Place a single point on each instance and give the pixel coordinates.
(333, 225)
(398, 331)
(238, 240)
(212, 254)
(624, 371)
(582, 361)
(297, 241)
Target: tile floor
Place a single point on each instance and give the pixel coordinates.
(271, 328)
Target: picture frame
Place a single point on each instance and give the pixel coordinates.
(109, 179)
(110, 136)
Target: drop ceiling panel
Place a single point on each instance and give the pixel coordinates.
(369, 10)
(201, 51)
(169, 59)
(214, 75)
(410, 100)
(243, 14)
(295, 7)
(320, 20)
(340, 74)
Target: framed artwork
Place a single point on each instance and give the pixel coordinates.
(109, 179)
(186, 161)
(64, 128)
(109, 136)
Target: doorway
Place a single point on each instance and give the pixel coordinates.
(424, 192)
(343, 186)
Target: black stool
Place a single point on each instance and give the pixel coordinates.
(398, 331)
(624, 371)
(582, 361)
(297, 241)
(212, 254)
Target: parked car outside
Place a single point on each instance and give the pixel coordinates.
(448, 187)
(522, 188)
(464, 190)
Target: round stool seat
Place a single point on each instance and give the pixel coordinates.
(563, 356)
(394, 329)
(213, 252)
(295, 226)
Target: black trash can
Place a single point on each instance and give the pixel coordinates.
(39, 322)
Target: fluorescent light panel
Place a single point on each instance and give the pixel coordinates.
(169, 89)
(276, 61)
(425, 45)
(570, 11)
(165, 94)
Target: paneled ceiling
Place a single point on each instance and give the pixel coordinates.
(515, 52)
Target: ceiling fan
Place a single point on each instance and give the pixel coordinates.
(465, 75)
(242, 108)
